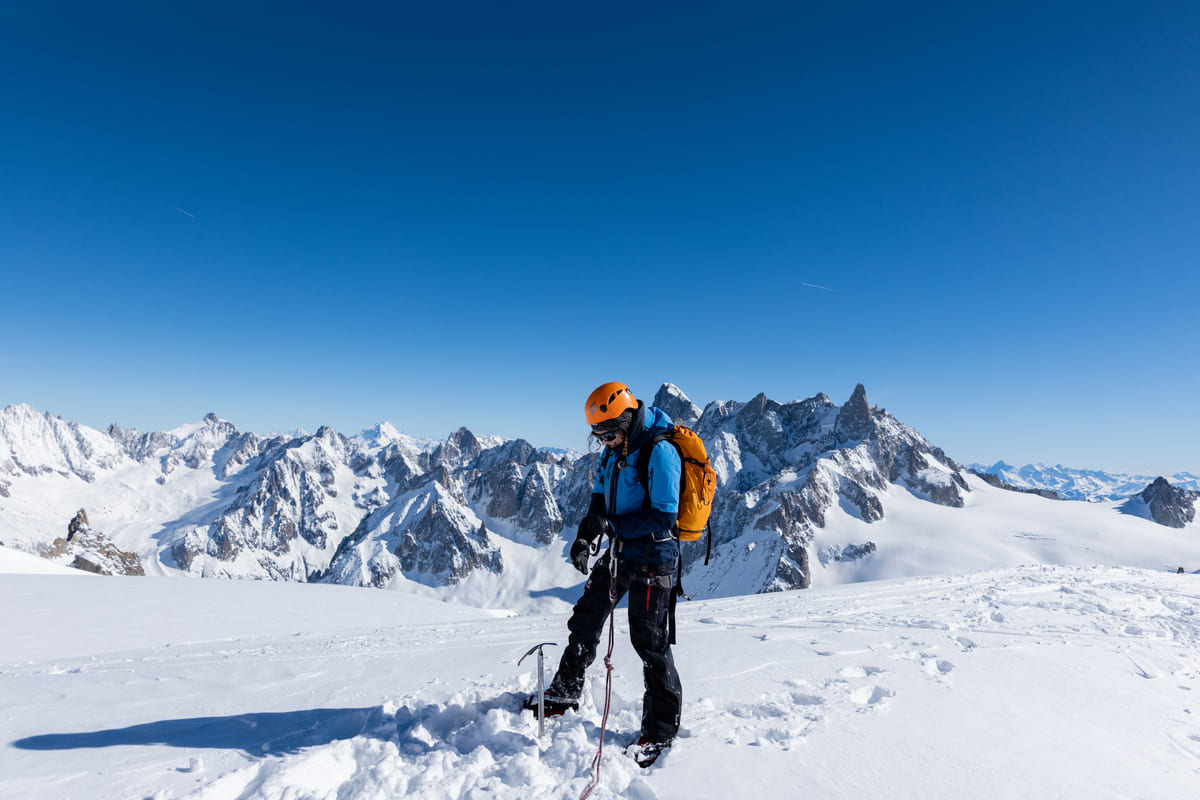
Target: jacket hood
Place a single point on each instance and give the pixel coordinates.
(645, 421)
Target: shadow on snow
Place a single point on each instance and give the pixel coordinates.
(415, 731)
(254, 734)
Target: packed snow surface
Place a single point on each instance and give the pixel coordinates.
(1032, 681)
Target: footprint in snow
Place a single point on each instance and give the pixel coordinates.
(775, 721)
(938, 666)
(872, 697)
(860, 672)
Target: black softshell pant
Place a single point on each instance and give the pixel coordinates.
(649, 591)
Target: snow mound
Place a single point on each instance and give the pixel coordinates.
(16, 562)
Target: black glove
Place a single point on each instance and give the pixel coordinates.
(594, 528)
(581, 551)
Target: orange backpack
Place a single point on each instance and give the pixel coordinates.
(698, 482)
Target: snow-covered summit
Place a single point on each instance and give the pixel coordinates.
(36, 443)
(384, 433)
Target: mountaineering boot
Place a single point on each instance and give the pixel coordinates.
(646, 752)
(553, 708)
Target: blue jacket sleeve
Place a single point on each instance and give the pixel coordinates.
(663, 478)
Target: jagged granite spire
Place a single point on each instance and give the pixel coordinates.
(854, 420)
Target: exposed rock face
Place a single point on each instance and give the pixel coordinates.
(443, 546)
(286, 519)
(505, 486)
(539, 511)
(851, 552)
(426, 535)
(782, 467)
(671, 400)
(853, 421)
(363, 512)
(191, 446)
(459, 449)
(78, 522)
(574, 490)
(92, 551)
(1169, 505)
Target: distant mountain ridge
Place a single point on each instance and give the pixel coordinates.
(485, 516)
(1083, 484)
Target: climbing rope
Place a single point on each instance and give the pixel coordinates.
(608, 666)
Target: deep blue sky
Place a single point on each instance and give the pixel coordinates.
(295, 215)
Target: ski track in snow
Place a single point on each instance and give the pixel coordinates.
(780, 674)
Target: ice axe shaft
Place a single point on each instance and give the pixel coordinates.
(541, 683)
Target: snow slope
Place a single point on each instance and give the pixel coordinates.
(997, 528)
(16, 562)
(994, 528)
(1036, 681)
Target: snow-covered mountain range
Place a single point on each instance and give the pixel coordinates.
(808, 492)
(1083, 484)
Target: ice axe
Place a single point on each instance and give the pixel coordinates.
(541, 684)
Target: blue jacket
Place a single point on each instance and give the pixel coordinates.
(644, 534)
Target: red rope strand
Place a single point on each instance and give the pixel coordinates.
(608, 666)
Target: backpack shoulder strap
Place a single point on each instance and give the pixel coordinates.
(643, 463)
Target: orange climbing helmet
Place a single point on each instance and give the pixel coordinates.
(609, 401)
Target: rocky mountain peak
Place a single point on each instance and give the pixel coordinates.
(329, 434)
(91, 551)
(1157, 487)
(78, 523)
(1169, 505)
(459, 449)
(757, 406)
(671, 399)
(464, 440)
(854, 420)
